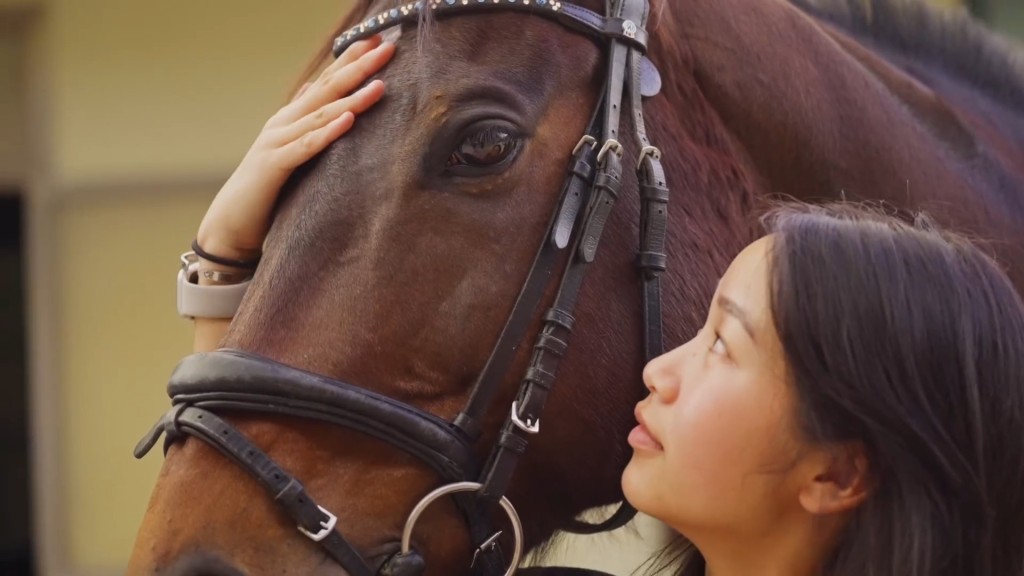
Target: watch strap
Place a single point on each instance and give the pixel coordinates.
(207, 301)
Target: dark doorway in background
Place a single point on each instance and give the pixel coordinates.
(15, 491)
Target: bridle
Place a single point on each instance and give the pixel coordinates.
(232, 380)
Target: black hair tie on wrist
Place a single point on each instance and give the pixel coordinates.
(243, 264)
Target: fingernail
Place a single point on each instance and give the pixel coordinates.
(369, 85)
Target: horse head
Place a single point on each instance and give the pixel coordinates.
(420, 248)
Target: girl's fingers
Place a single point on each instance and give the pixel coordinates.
(301, 91)
(345, 79)
(357, 103)
(362, 60)
(353, 52)
(316, 117)
(312, 143)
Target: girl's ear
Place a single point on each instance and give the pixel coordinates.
(838, 480)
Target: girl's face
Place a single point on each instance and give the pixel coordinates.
(718, 449)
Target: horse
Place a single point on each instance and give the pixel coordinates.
(397, 255)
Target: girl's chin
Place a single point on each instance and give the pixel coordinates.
(633, 481)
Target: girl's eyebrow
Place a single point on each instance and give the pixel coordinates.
(730, 307)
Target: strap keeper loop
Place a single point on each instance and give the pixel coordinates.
(652, 261)
(654, 193)
(559, 317)
(539, 377)
(550, 343)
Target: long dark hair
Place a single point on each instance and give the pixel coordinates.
(909, 340)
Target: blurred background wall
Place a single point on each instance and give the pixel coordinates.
(118, 122)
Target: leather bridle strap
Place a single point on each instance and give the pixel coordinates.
(651, 258)
(654, 196)
(312, 519)
(524, 420)
(236, 380)
(232, 380)
(559, 233)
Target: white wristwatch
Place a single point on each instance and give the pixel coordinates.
(197, 301)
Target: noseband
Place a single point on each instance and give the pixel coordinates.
(231, 380)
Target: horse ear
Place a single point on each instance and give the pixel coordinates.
(650, 78)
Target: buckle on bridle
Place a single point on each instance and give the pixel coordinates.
(646, 151)
(587, 140)
(612, 145)
(326, 526)
(488, 546)
(529, 426)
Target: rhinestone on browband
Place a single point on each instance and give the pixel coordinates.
(411, 12)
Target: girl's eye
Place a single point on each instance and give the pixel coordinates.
(485, 148)
(718, 347)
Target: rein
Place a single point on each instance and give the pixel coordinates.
(231, 380)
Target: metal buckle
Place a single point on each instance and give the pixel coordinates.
(190, 265)
(651, 151)
(612, 145)
(587, 140)
(526, 426)
(510, 511)
(326, 526)
(488, 546)
(187, 259)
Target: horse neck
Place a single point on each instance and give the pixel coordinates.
(577, 462)
(813, 113)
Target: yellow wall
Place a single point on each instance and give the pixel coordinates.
(119, 340)
(18, 4)
(144, 90)
(12, 110)
(148, 108)
(1008, 16)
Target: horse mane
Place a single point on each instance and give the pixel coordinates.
(949, 39)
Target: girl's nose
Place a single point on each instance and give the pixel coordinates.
(662, 374)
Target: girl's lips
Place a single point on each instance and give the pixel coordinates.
(641, 438)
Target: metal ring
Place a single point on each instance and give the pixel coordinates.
(517, 526)
(651, 151)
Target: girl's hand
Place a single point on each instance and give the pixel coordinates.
(238, 219)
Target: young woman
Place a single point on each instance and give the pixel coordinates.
(854, 404)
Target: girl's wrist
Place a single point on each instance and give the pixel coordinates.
(220, 263)
(224, 253)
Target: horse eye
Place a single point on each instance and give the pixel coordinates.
(489, 147)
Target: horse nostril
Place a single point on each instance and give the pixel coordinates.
(201, 564)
